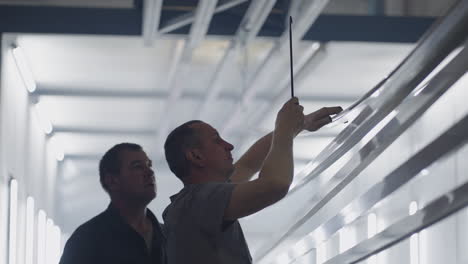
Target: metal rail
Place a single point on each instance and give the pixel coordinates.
(441, 40)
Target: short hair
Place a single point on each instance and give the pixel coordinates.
(111, 161)
(177, 142)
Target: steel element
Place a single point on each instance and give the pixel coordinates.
(151, 17)
(377, 141)
(181, 64)
(188, 18)
(437, 210)
(443, 38)
(409, 170)
(313, 54)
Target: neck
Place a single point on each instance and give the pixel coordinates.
(134, 215)
(199, 176)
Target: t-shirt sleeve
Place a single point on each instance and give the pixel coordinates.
(211, 200)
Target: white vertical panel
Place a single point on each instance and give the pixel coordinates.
(12, 227)
(30, 220)
(41, 237)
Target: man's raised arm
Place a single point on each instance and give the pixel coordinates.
(252, 160)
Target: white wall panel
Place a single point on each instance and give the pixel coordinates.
(24, 152)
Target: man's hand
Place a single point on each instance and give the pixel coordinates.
(314, 121)
(290, 118)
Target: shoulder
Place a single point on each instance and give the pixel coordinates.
(207, 190)
(87, 231)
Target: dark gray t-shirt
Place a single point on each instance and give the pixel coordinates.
(196, 231)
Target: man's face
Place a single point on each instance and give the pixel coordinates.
(215, 151)
(136, 181)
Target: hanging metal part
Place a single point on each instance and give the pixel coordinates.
(151, 17)
(203, 15)
(395, 124)
(437, 210)
(444, 37)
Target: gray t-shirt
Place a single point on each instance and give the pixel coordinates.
(196, 231)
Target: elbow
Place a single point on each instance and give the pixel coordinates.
(280, 190)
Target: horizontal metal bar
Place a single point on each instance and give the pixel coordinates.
(403, 117)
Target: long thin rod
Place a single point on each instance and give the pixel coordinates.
(291, 55)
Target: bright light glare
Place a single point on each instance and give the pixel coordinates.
(57, 248)
(49, 238)
(283, 258)
(371, 225)
(414, 249)
(13, 220)
(371, 231)
(42, 119)
(60, 155)
(321, 253)
(413, 208)
(23, 69)
(53, 234)
(29, 229)
(41, 237)
(347, 238)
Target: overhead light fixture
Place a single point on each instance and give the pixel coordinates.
(24, 69)
(42, 120)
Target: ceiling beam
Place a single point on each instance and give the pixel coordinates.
(151, 18)
(306, 18)
(188, 18)
(118, 21)
(73, 3)
(250, 26)
(181, 64)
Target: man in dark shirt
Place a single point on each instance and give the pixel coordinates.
(126, 232)
(201, 221)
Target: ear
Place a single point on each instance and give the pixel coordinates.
(195, 157)
(112, 182)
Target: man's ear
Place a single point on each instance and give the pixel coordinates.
(195, 157)
(112, 182)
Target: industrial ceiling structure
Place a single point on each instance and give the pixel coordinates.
(116, 71)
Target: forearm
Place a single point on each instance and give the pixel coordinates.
(255, 156)
(278, 166)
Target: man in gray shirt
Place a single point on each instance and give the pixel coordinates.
(201, 221)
